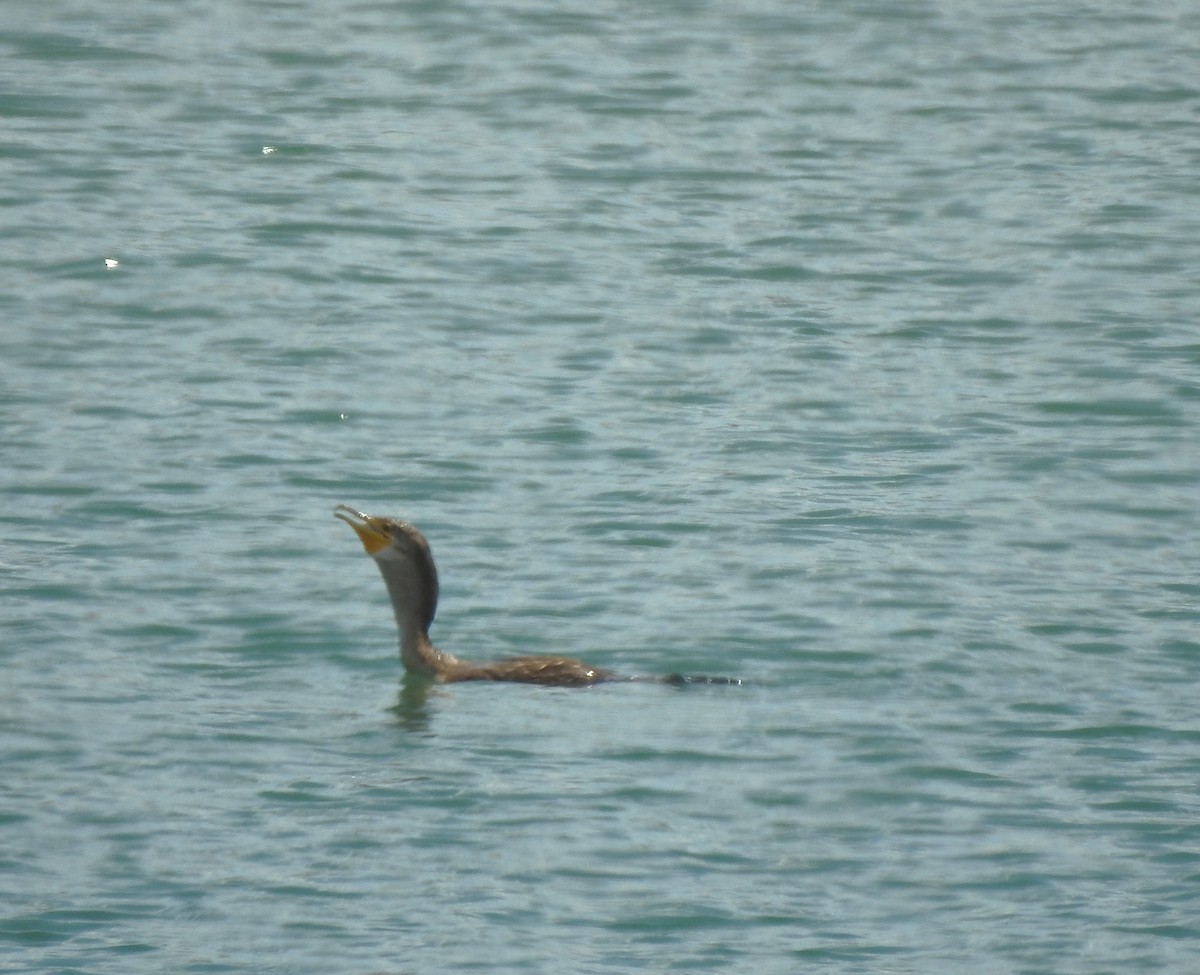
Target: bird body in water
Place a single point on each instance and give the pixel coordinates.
(406, 564)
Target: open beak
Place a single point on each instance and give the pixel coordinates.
(369, 528)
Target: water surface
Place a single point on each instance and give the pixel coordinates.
(848, 350)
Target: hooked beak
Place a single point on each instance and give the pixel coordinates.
(369, 528)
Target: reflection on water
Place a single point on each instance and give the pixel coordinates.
(412, 709)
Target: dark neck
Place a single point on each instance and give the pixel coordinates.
(413, 589)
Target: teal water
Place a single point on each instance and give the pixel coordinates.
(848, 349)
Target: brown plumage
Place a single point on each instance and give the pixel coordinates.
(555, 671)
(406, 564)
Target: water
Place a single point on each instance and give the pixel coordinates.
(849, 349)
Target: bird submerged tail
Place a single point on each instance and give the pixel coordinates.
(679, 680)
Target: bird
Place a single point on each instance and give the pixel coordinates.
(405, 561)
